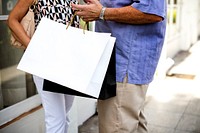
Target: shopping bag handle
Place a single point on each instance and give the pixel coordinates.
(70, 23)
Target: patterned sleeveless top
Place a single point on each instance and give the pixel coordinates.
(57, 10)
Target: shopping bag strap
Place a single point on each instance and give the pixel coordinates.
(70, 23)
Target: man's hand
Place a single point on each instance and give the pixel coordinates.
(88, 12)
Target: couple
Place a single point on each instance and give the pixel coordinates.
(139, 27)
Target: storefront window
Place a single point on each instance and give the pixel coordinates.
(15, 85)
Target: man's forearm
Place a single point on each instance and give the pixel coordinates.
(130, 15)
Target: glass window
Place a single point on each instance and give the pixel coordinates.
(15, 85)
(173, 15)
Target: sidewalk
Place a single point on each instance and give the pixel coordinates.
(172, 104)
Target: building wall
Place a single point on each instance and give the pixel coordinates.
(188, 30)
(189, 23)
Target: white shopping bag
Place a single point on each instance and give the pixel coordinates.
(68, 57)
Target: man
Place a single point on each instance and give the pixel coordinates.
(139, 28)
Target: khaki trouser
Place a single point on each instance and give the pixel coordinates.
(125, 112)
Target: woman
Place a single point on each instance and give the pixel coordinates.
(56, 106)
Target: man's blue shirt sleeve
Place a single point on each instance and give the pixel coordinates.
(156, 7)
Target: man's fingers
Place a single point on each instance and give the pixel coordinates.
(76, 7)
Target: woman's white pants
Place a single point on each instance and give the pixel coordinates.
(56, 107)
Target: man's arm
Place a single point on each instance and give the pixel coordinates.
(128, 14)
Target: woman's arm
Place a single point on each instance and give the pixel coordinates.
(127, 14)
(14, 19)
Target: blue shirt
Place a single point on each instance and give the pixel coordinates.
(138, 47)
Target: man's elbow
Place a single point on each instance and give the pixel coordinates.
(158, 19)
(154, 18)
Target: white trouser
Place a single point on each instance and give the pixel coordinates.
(56, 107)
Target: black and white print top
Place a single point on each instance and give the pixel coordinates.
(57, 10)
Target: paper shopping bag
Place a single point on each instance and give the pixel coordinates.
(68, 57)
(108, 88)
